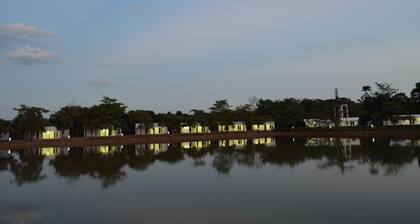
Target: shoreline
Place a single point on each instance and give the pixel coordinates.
(174, 138)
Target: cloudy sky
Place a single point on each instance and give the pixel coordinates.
(182, 54)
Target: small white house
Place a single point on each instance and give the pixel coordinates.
(4, 136)
(349, 121)
(400, 120)
(266, 126)
(318, 123)
(50, 132)
(195, 128)
(234, 127)
(327, 123)
(152, 129)
(102, 132)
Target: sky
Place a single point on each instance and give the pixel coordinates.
(184, 54)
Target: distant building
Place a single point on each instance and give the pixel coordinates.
(234, 127)
(349, 122)
(343, 118)
(399, 120)
(102, 132)
(318, 123)
(152, 129)
(195, 128)
(50, 132)
(266, 126)
(4, 136)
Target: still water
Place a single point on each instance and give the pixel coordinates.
(233, 181)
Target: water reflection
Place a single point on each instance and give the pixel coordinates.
(109, 164)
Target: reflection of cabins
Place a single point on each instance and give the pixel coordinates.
(233, 143)
(266, 126)
(235, 126)
(152, 129)
(195, 128)
(103, 132)
(4, 136)
(195, 145)
(158, 147)
(103, 149)
(412, 119)
(268, 142)
(405, 143)
(350, 141)
(319, 142)
(50, 132)
(140, 149)
(47, 151)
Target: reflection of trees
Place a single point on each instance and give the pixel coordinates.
(378, 157)
(197, 155)
(106, 168)
(27, 169)
(223, 161)
(171, 156)
(4, 163)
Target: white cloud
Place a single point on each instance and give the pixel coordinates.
(29, 55)
(21, 29)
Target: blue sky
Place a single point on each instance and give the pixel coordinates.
(183, 54)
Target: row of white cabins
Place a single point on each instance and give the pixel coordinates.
(51, 132)
(397, 120)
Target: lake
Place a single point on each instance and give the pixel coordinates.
(266, 180)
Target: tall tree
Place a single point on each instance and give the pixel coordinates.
(382, 103)
(109, 113)
(28, 121)
(4, 126)
(69, 117)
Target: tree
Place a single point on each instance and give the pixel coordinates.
(138, 116)
(220, 106)
(28, 121)
(108, 114)
(415, 99)
(253, 102)
(70, 117)
(4, 126)
(382, 103)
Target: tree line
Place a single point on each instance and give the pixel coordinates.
(375, 105)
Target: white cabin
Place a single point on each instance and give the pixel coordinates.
(400, 120)
(50, 132)
(266, 126)
(102, 132)
(234, 127)
(195, 128)
(152, 129)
